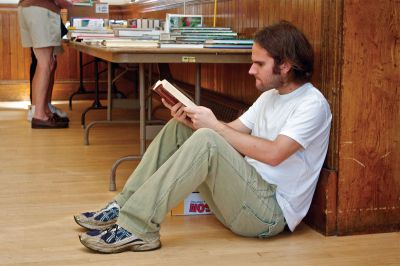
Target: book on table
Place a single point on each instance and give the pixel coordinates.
(171, 94)
(125, 43)
(181, 45)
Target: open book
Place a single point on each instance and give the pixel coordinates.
(171, 94)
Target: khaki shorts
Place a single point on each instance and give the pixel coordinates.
(40, 28)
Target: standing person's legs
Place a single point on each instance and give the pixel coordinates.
(41, 81)
(40, 29)
(51, 82)
(54, 109)
(32, 70)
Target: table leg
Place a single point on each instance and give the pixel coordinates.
(142, 103)
(197, 85)
(142, 100)
(109, 89)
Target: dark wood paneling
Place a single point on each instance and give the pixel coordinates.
(369, 159)
(322, 214)
(331, 74)
(6, 52)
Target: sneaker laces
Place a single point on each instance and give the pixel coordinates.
(110, 212)
(100, 213)
(115, 233)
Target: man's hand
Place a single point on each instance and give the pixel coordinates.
(194, 117)
(202, 117)
(178, 113)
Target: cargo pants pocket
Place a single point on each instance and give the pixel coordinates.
(248, 224)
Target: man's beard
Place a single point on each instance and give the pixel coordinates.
(276, 82)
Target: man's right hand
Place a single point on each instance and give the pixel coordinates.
(178, 113)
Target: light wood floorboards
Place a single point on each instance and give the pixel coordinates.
(47, 176)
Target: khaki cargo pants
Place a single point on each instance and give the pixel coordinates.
(179, 161)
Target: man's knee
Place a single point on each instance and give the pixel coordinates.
(45, 58)
(176, 125)
(173, 122)
(45, 65)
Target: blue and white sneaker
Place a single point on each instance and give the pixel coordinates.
(101, 219)
(116, 239)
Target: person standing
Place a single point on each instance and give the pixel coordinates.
(40, 25)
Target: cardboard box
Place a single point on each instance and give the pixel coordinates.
(192, 205)
(97, 10)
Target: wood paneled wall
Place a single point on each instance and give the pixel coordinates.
(369, 159)
(15, 59)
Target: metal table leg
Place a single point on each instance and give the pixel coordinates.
(142, 103)
(197, 85)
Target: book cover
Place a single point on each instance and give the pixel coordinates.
(171, 94)
(82, 2)
(182, 45)
(199, 28)
(234, 41)
(227, 46)
(182, 20)
(130, 43)
(134, 32)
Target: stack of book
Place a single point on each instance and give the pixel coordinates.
(204, 37)
(229, 44)
(120, 42)
(138, 34)
(183, 45)
(117, 23)
(84, 35)
(182, 20)
(200, 34)
(87, 23)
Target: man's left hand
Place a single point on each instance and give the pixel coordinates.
(202, 117)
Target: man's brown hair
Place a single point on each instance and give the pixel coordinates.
(284, 42)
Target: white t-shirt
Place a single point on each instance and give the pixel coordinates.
(304, 116)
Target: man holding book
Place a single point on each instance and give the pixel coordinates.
(257, 173)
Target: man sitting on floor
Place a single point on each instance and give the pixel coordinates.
(257, 173)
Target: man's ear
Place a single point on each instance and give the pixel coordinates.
(285, 67)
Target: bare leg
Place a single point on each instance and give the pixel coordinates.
(51, 82)
(41, 81)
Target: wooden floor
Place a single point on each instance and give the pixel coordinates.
(49, 175)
